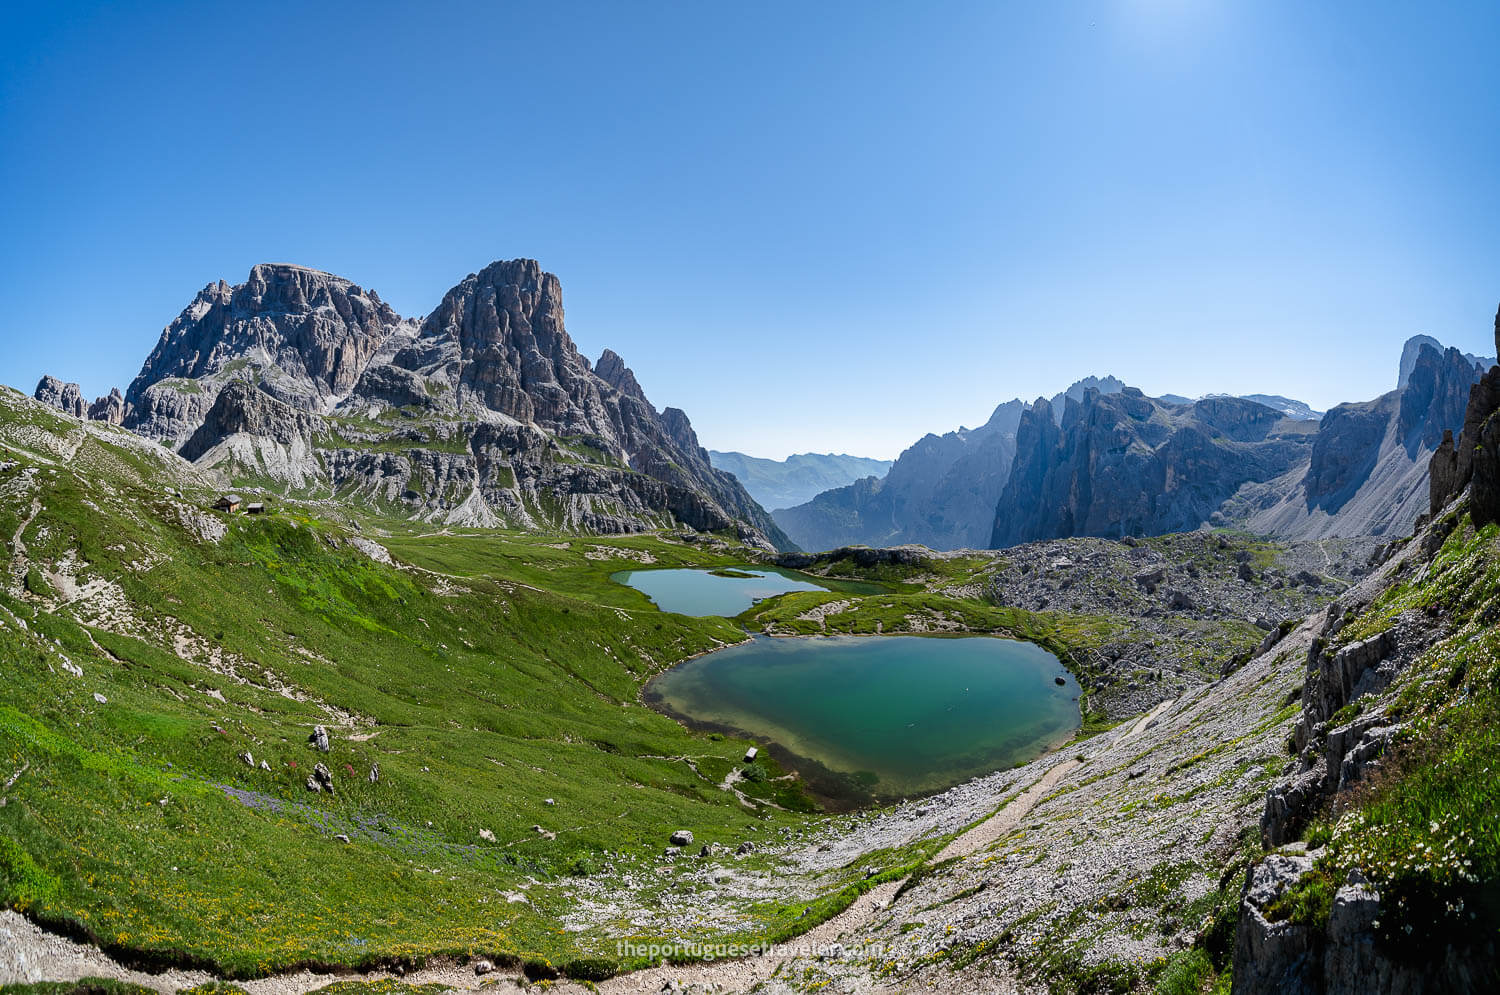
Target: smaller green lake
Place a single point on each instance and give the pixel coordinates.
(887, 716)
(702, 592)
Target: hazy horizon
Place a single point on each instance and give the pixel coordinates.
(870, 223)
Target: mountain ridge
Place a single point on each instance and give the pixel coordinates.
(481, 413)
(798, 478)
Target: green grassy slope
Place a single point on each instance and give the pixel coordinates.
(136, 821)
(483, 672)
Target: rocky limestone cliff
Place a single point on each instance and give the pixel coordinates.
(940, 492)
(1104, 385)
(485, 413)
(1126, 464)
(1413, 348)
(1367, 473)
(65, 397)
(68, 398)
(1370, 662)
(302, 335)
(243, 409)
(1474, 459)
(109, 409)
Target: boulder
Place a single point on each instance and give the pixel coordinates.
(319, 739)
(1282, 957)
(681, 837)
(1148, 579)
(1289, 804)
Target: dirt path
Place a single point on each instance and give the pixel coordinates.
(28, 952)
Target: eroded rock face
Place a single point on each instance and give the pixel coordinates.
(1272, 956)
(496, 352)
(243, 409)
(110, 409)
(941, 493)
(1346, 449)
(1126, 464)
(1436, 396)
(1333, 758)
(613, 371)
(1345, 955)
(1474, 458)
(1484, 502)
(483, 414)
(306, 335)
(66, 397)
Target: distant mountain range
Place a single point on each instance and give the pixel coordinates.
(482, 414)
(798, 478)
(941, 493)
(1103, 459)
(1296, 410)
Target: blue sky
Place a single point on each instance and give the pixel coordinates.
(819, 227)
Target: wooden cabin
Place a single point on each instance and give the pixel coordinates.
(255, 508)
(230, 503)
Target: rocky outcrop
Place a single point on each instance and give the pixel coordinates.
(68, 398)
(1275, 956)
(1283, 943)
(1474, 459)
(1344, 956)
(304, 336)
(1331, 758)
(613, 371)
(1368, 472)
(1413, 348)
(1126, 464)
(483, 414)
(940, 492)
(242, 409)
(109, 409)
(65, 397)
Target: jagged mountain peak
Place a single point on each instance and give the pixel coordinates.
(482, 413)
(613, 371)
(305, 335)
(1075, 392)
(1413, 347)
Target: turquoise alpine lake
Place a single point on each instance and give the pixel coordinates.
(887, 715)
(728, 591)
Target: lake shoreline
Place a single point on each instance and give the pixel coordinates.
(842, 789)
